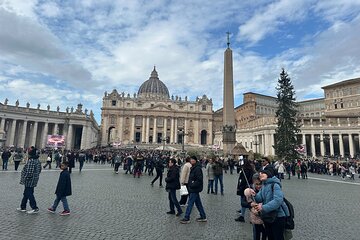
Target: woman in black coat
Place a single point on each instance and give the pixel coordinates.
(172, 184)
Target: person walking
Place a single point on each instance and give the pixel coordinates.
(172, 184)
(48, 161)
(29, 178)
(81, 158)
(195, 186)
(210, 176)
(63, 189)
(159, 167)
(184, 179)
(5, 156)
(18, 157)
(218, 176)
(117, 163)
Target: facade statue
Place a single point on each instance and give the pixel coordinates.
(17, 103)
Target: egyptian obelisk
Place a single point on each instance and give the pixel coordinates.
(229, 139)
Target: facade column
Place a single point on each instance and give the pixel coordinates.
(304, 143)
(210, 140)
(56, 131)
(34, 134)
(351, 146)
(186, 131)
(2, 124)
(172, 131)
(44, 136)
(313, 152)
(196, 131)
(272, 143)
(132, 129)
(322, 145)
(120, 129)
(154, 131)
(143, 137)
(331, 145)
(266, 144)
(147, 130)
(23, 134)
(175, 131)
(165, 128)
(83, 137)
(69, 137)
(341, 145)
(12, 132)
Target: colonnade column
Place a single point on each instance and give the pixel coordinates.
(313, 152)
(322, 145)
(272, 143)
(304, 143)
(154, 132)
(143, 131)
(83, 137)
(175, 130)
(69, 137)
(331, 145)
(11, 136)
(351, 145)
(172, 131)
(34, 133)
(2, 124)
(23, 134)
(55, 131)
(147, 129)
(44, 136)
(132, 129)
(266, 144)
(341, 145)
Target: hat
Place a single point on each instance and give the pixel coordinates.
(194, 157)
(267, 172)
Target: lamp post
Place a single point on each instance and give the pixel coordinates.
(182, 134)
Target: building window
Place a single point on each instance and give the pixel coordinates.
(113, 103)
(112, 119)
(152, 105)
(139, 105)
(191, 107)
(169, 106)
(128, 104)
(203, 107)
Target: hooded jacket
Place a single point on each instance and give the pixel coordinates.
(272, 197)
(196, 182)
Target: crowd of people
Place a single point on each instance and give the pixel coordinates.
(259, 181)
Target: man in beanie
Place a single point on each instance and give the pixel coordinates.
(195, 186)
(29, 178)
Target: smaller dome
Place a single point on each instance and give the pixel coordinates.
(153, 87)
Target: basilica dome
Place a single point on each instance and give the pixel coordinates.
(153, 87)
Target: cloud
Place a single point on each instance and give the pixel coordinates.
(25, 42)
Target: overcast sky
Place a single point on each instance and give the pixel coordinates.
(67, 52)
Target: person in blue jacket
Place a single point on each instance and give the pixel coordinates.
(63, 189)
(271, 198)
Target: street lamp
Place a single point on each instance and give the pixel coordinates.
(182, 133)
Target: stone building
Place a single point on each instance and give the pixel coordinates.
(152, 116)
(330, 126)
(24, 126)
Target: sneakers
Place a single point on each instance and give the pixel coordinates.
(51, 210)
(170, 212)
(185, 221)
(65, 213)
(21, 209)
(201, 219)
(33, 211)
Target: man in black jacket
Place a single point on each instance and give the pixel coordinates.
(172, 184)
(195, 186)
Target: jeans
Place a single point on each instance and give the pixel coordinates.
(275, 230)
(243, 209)
(216, 179)
(159, 174)
(28, 195)
(117, 165)
(17, 163)
(5, 164)
(48, 163)
(173, 202)
(194, 198)
(64, 202)
(81, 165)
(210, 185)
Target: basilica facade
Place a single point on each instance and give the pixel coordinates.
(152, 116)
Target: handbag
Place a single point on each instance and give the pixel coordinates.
(183, 190)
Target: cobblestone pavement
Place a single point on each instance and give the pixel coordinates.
(106, 205)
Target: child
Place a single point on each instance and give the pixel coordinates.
(258, 225)
(63, 189)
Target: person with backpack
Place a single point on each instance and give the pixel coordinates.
(271, 206)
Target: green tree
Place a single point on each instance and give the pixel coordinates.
(287, 123)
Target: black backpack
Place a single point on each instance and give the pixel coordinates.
(289, 221)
